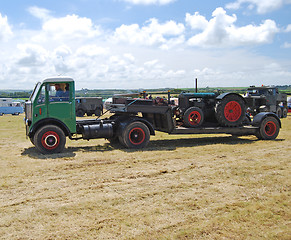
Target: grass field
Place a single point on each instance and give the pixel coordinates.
(179, 187)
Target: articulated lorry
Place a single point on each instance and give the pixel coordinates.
(50, 118)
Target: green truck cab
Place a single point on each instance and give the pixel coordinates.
(52, 102)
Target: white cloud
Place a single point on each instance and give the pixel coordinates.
(196, 21)
(287, 45)
(32, 55)
(91, 51)
(263, 6)
(133, 56)
(221, 31)
(151, 34)
(5, 29)
(71, 26)
(288, 28)
(149, 2)
(64, 29)
(40, 13)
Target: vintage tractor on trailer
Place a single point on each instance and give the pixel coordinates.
(50, 118)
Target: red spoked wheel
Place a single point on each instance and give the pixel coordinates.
(230, 111)
(269, 129)
(49, 139)
(135, 135)
(193, 117)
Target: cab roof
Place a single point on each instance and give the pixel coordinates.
(58, 79)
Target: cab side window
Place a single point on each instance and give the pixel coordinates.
(59, 92)
(41, 96)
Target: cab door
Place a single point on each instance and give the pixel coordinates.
(62, 107)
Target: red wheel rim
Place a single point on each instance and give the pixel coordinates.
(194, 118)
(270, 128)
(136, 136)
(232, 111)
(50, 140)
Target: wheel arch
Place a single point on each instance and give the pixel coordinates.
(262, 115)
(124, 122)
(223, 95)
(49, 121)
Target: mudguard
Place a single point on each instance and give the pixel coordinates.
(221, 96)
(52, 121)
(124, 122)
(261, 116)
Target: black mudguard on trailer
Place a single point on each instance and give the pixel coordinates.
(261, 116)
(124, 121)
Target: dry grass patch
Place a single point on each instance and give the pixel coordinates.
(179, 187)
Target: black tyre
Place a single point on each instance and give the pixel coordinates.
(193, 117)
(114, 140)
(97, 112)
(279, 112)
(230, 111)
(80, 113)
(269, 129)
(135, 135)
(49, 139)
(31, 140)
(284, 112)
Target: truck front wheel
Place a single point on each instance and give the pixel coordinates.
(135, 135)
(49, 139)
(269, 129)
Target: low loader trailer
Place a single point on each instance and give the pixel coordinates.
(50, 119)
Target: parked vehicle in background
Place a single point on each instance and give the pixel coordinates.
(289, 104)
(266, 99)
(7, 106)
(89, 106)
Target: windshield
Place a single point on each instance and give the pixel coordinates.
(35, 91)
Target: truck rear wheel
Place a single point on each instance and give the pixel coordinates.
(50, 139)
(193, 117)
(269, 129)
(135, 135)
(230, 111)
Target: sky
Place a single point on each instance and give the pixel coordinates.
(142, 44)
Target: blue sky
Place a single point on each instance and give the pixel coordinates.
(145, 43)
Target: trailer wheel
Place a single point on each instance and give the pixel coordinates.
(193, 117)
(230, 111)
(284, 112)
(269, 129)
(50, 139)
(135, 135)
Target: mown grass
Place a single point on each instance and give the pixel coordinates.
(179, 187)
